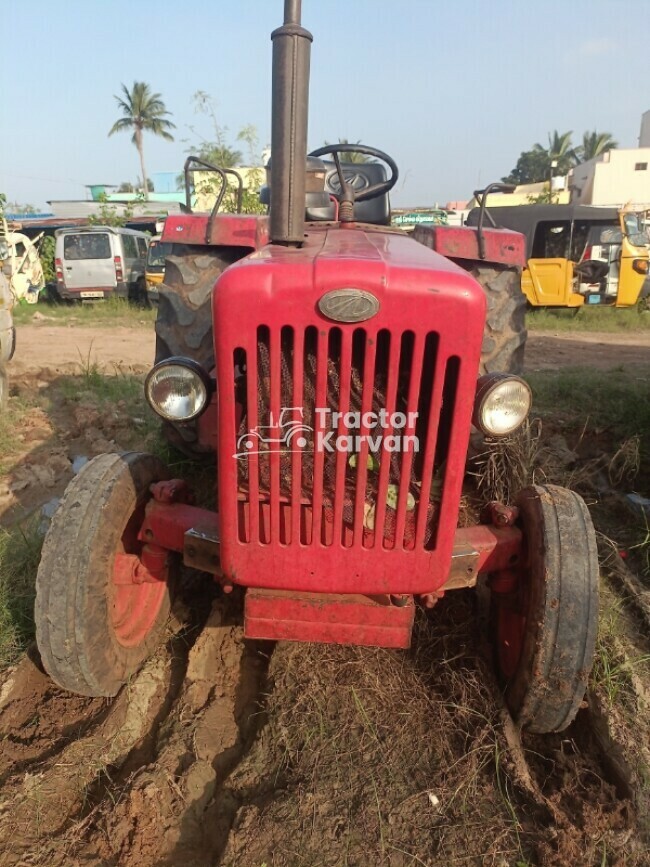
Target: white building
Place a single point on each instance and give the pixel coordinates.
(618, 178)
(644, 135)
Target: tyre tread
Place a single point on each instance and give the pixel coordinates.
(548, 687)
(79, 655)
(505, 327)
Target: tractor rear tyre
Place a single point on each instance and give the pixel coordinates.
(184, 320)
(504, 340)
(94, 626)
(545, 627)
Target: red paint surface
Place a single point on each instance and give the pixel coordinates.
(327, 618)
(228, 230)
(497, 547)
(208, 425)
(418, 291)
(138, 587)
(165, 524)
(502, 246)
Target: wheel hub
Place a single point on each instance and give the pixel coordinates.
(138, 586)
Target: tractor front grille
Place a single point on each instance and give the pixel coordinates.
(295, 487)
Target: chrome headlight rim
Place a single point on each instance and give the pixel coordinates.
(207, 384)
(487, 386)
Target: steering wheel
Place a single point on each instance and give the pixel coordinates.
(592, 270)
(348, 192)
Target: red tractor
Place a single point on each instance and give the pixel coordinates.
(337, 367)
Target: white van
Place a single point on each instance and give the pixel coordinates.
(95, 262)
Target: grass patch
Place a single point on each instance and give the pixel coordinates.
(112, 311)
(606, 319)
(583, 423)
(105, 388)
(616, 670)
(11, 421)
(642, 547)
(114, 408)
(614, 399)
(20, 551)
(605, 416)
(385, 755)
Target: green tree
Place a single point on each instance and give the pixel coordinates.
(110, 214)
(46, 255)
(142, 111)
(216, 149)
(19, 208)
(219, 151)
(593, 145)
(223, 156)
(534, 165)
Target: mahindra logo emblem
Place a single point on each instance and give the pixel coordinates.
(357, 180)
(348, 305)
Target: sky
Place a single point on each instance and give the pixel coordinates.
(453, 90)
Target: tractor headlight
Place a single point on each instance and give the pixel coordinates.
(502, 404)
(178, 389)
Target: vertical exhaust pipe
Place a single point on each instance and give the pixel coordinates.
(290, 102)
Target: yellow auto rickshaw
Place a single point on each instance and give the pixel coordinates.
(155, 267)
(579, 254)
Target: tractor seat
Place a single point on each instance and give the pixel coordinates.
(361, 175)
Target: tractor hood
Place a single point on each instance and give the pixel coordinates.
(370, 260)
(352, 321)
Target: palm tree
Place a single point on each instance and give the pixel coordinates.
(593, 145)
(559, 148)
(142, 110)
(353, 156)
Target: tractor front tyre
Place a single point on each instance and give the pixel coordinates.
(184, 320)
(99, 615)
(545, 622)
(504, 340)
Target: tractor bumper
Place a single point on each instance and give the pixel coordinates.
(328, 618)
(274, 613)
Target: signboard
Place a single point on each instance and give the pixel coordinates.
(433, 217)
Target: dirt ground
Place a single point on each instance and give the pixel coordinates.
(61, 349)
(548, 351)
(223, 751)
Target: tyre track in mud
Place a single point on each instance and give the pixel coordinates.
(176, 769)
(149, 778)
(171, 811)
(159, 751)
